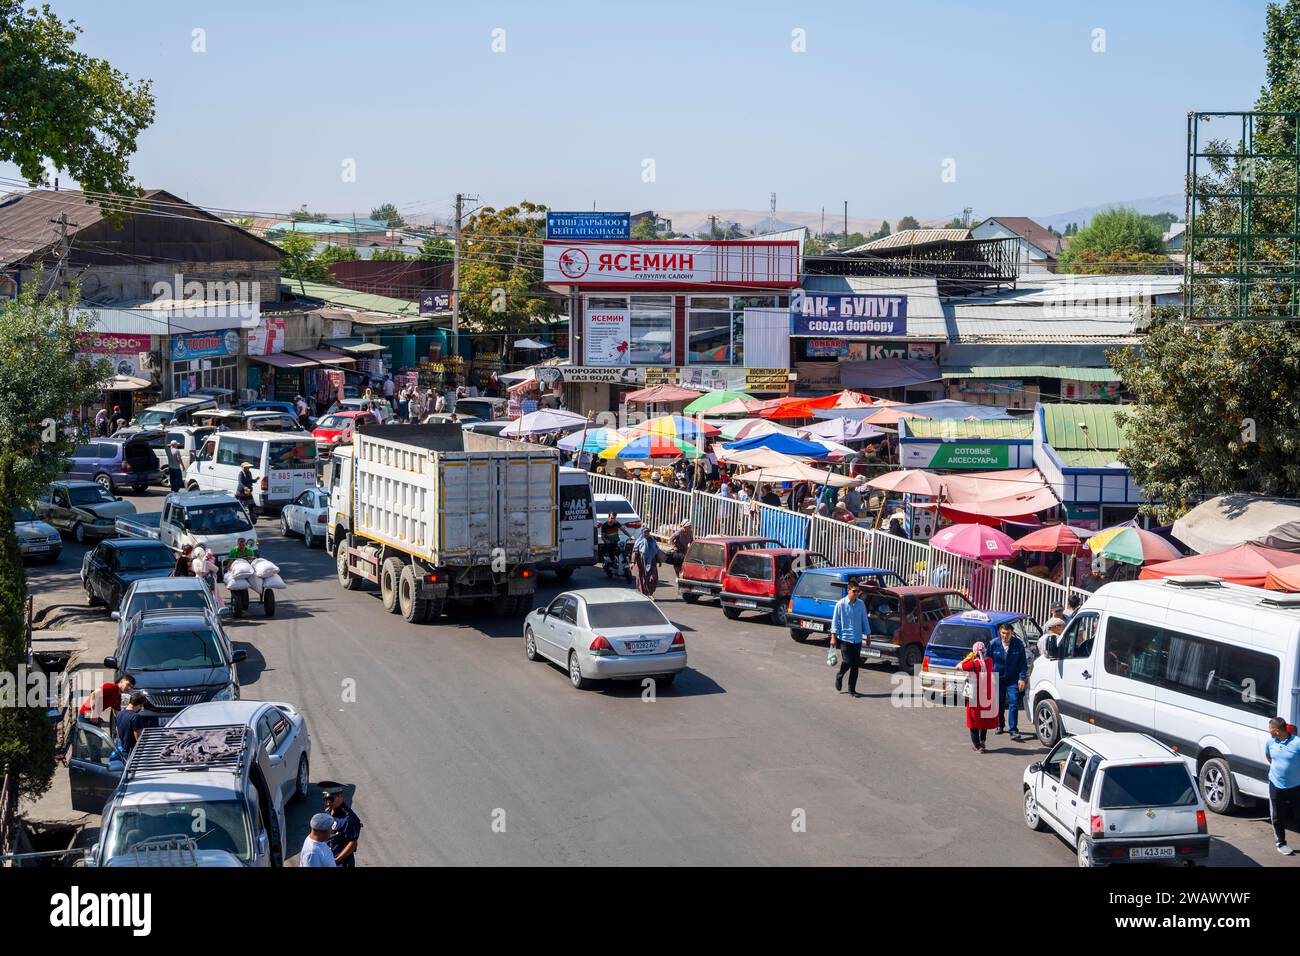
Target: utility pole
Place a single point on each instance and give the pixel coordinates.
(65, 248)
(713, 227)
(455, 274)
(846, 224)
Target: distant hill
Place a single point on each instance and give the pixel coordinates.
(1174, 202)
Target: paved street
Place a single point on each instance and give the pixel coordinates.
(462, 752)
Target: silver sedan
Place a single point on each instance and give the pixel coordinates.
(606, 634)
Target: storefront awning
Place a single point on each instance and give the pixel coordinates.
(125, 383)
(888, 373)
(285, 360)
(355, 346)
(1073, 372)
(326, 357)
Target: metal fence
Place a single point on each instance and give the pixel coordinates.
(844, 544)
(1014, 590)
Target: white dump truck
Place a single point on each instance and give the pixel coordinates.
(430, 523)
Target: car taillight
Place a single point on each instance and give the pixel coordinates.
(1201, 826)
(1097, 827)
(320, 518)
(925, 663)
(525, 572)
(264, 483)
(679, 642)
(600, 647)
(125, 466)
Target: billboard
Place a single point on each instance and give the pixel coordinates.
(757, 264)
(830, 314)
(588, 225)
(605, 341)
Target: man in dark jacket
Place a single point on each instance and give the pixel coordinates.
(1011, 664)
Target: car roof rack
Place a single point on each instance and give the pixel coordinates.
(216, 747)
(1193, 581)
(175, 850)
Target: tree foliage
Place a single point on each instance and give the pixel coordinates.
(61, 105)
(40, 378)
(908, 222)
(501, 268)
(1112, 242)
(388, 213)
(388, 255)
(436, 249)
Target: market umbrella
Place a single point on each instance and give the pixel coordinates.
(909, 481)
(841, 430)
(1248, 564)
(794, 470)
(741, 406)
(748, 427)
(661, 395)
(1284, 579)
(1131, 545)
(1059, 538)
(593, 441)
(545, 420)
(675, 426)
(530, 344)
(653, 446)
(785, 444)
(803, 407)
(974, 541)
(711, 400)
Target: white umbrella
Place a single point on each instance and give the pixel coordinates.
(545, 420)
(531, 344)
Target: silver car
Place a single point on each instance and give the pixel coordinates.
(36, 538)
(606, 634)
(153, 594)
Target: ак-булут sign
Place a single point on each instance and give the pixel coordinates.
(826, 314)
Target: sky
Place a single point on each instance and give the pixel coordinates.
(919, 108)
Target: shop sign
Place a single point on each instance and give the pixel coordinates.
(220, 344)
(767, 380)
(817, 313)
(268, 337)
(588, 225)
(1073, 390)
(875, 351)
(827, 348)
(991, 386)
(605, 341)
(113, 343)
(671, 263)
(662, 375)
(552, 375)
(434, 302)
(955, 455)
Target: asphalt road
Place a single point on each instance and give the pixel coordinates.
(460, 751)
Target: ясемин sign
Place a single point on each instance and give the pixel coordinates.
(818, 313)
(746, 264)
(588, 225)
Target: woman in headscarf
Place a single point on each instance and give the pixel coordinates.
(982, 703)
(645, 564)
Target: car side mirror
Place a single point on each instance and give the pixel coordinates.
(117, 497)
(116, 615)
(1049, 647)
(223, 612)
(238, 657)
(543, 611)
(1036, 767)
(110, 663)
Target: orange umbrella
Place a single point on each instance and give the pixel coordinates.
(802, 407)
(1060, 538)
(1284, 579)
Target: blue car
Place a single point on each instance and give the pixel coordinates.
(813, 600)
(954, 636)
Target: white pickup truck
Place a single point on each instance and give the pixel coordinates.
(213, 519)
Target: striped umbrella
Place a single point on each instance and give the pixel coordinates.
(712, 399)
(593, 440)
(652, 446)
(1132, 545)
(675, 426)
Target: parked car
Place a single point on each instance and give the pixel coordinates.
(1118, 798)
(189, 438)
(486, 428)
(84, 509)
(953, 638)
(307, 515)
(178, 658)
(164, 594)
(605, 634)
(174, 412)
(283, 742)
(110, 567)
(762, 579)
(36, 538)
(240, 420)
(902, 618)
(706, 560)
(110, 462)
(337, 427)
(812, 602)
(269, 405)
(450, 418)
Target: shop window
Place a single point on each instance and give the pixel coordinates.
(715, 327)
(651, 340)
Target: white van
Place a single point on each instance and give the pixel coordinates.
(284, 465)
(575, 517)
(1198, 664)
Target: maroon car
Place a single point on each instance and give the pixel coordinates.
(707, 558)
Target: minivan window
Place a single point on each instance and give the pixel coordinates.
(1132, 650)
(1147, 785)
(291, 454)
(1077, 639)
(1231, 676)
(755, 566)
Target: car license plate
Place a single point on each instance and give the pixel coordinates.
(1150, 852)
(871, 652)
(744, 604)
(37, 548)
(813, 625)
(641, 647)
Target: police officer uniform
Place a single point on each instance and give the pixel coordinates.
(347, 825)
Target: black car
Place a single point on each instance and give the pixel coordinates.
(109, 568)
(178, 658)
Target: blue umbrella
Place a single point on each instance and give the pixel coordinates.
(785, 444)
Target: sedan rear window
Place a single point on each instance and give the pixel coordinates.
(706, 553)
(961, 636)
(617, 505)
(624, 614)
(1150, 785)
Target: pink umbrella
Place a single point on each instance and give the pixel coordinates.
(909, 481)
(974, 541)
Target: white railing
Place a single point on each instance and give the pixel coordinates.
(1016, 591)
(711, 514)
(843, 543)
(909, 559)
(662, 510)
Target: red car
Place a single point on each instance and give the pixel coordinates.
(762, 579)
(902, 618)
(706, 559)
(336, 428)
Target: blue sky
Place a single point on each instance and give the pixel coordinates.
(712, 92)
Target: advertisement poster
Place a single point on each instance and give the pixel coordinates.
(268, 337)
(123, 351)
(606, 339)
(217, 344)
(815, 313)
(588, 225)
(827, 348)
(955, 456)
(666, 375)
(767, 380)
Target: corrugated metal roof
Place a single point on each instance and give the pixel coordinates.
(1061, 428)
(1087, 459)
(1039, 322)
(1011, 428)
(925, 314)
(799, 234)
(351, 299)
(912, 237)
(1076, 373)
(1034, 234)
(329, 226)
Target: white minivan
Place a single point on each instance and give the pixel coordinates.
(284, 465)
(1198, 664)
(575, 515)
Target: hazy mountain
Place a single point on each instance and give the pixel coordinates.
(1174, 202)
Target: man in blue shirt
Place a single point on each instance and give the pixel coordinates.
(130, 722)
(1011, 664)
(1283, 755)
(848, 625)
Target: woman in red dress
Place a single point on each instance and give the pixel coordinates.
(982, 704)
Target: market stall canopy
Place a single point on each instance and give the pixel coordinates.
(325, 356)
(591, 440)
(1284, 579)
(653, 446)
(543, 421)
(1248, 564)
(530, 344)
(748, 427)
(794, 470)
(285, 360)
(710, 400)
(661, 394)
(124, 383)
(754, 458)
(675, 426)
(785, 444)
(974, 541)
(909, 481)
(1132, 545)
(355, 346)
(841, 430)
(1229, 520)
(1058, 538)
(741, 406)
(797, 407)
(996, 510)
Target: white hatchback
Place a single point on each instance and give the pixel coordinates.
(1118, 798)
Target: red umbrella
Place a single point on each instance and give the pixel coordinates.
(1061, 538)
(974, 541)
(662, 394)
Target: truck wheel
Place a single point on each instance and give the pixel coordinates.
(730, 613)
(563, 574)
(414, 608)
(909, 655)
(690, 598)
(347, 580)
(390, 572)
(433, 613)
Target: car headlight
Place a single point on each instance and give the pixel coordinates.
(229, 692)
(53, 538)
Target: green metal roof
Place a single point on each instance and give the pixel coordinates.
(953, 428)
(1062, 431)
(350, 299)
(1076, 373)
(1076, 458)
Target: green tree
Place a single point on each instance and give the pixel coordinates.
(321, 261)
(303, 215)
(40, 378)
(298, 262)
(1113, 242)
(501, 269)
(61, 105)
(389, 255)
(955, 222)
(908, 222)
(881, 232)
(388, 213)
(436, 249)
(644, 229)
